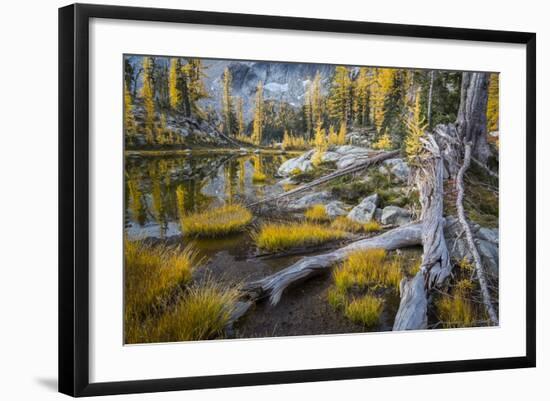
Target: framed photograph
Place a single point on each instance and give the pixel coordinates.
(249, 199)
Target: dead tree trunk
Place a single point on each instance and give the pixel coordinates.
(471, 120)
(436, 266)
(480, 270)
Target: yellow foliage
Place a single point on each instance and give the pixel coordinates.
(258, 125)
(180, 200)
(332, 136)
(362, 90)
(371, 226)
(174, 92)
(337, 298)
(416, 124)
(456, 309)
(365, 310)
(316, 213)
(321, 145)
(245, 138)
(367, 268)
(493, 103)
(277, 237)
(201, 313)
(383, 143)
(129, 120)
(258, 175)
(216, 222)
(291, 142)
(380, 90)
(345, 224)
(342, 134)
(148, 99)
(339, 101)
(151, 275)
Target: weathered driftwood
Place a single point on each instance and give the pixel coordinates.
(480, 270)
(274, 285)
(436, 266)
(338, 173)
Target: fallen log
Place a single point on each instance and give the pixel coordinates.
(274, 285)
(338, 173)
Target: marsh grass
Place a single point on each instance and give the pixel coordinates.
(345, 224)
(275, 237)
(153, 272)
(152, 276)
(217, 222)
(457, 308)
(365, 310)
(364, 270)
(201, 313)
(368, 268)
(317, 213)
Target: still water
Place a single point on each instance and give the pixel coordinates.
(158, 190)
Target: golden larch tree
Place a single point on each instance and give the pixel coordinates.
(320, 143)
(416, 125)
(227, 104)
(342, 134)
(339, 101)
(174, 90)
(381, 89)
(129, 119)
(147, 94)
(258, 125)
(362, 89)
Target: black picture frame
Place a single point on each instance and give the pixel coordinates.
(74, 198)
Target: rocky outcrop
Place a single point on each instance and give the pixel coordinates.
(397, 167)
(395, 215)
(344, 156)
(186, 130)
(364, 211)
(335, 209)
(301, 164)
(486, 239)
(309, 200)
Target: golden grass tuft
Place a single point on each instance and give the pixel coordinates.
(456, 309)
(201, 313)
(337, 298)
(278, 237)
(317, 213)
(152, 275)
(217, 222)
(368, 268)
(365, 310)
(345, 224)
(371, 226)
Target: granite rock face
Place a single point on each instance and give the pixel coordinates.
(365, 210)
